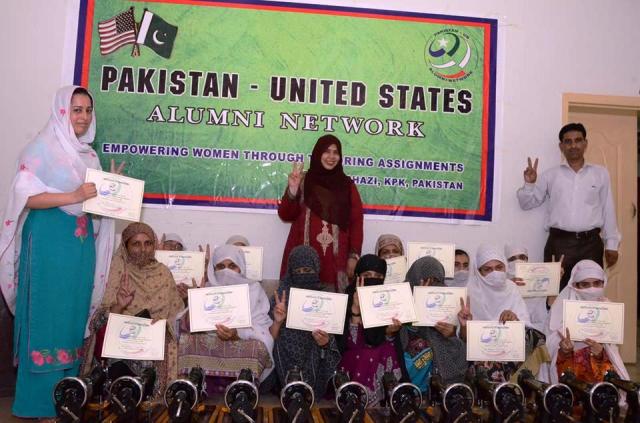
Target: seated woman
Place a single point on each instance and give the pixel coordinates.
(138, 285)
(316, 353)
(389, 246)
(224, 353)
(424, 349)
(368, 353)
(494, 297)
(589, 360)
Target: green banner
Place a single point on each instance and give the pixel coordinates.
(211, 102)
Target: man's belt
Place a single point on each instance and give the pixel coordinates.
(574, 235)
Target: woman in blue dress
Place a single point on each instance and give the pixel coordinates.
(53, 257)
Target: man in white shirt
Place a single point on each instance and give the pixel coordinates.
(581, 212)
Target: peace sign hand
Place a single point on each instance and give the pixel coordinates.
(355, 306)
(116, 170)
(565, 342)
(464, 315)
(295, 177)
(125, 294)
(280, 309)
(531, 172)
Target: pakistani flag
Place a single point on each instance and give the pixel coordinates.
(157, 34)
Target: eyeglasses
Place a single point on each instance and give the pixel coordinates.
(588, 284)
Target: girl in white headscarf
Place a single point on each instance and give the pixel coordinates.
(493, 296)
(224, 353)
(53, 257)
(588, 359)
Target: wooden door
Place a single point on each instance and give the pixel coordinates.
(612, 125)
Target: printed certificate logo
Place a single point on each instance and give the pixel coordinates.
(493, 343)
(541, 284)
(380, 299)
(312, 305)
(450, 55)
(213, 302)
(435, 301)
(177, 263)
(130, 331)
(109, 188)
(591, 324)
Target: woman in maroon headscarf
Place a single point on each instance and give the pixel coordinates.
(325, 210)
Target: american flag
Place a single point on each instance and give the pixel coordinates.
(117, 32)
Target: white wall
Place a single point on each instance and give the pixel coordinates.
(547, 47)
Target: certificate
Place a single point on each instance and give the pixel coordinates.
(118, 196)
(310, 310)
(495, 341)
(219, 305)
(134, 338)
(396, 270)
(253, 259)
(445, 253)
(600, 321)
(541, 279)
(379, 304)
(184, 265)
(437, 304)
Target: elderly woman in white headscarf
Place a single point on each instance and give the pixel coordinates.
(588, 359)
(224, 353)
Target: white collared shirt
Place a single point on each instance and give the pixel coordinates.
(578, 201)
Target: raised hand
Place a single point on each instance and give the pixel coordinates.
(85, 191)
(116, 170)
(565, 342)
(125, 294)
(531, 172)
(161, 241)
(355, 306)
(295, 177)
(207, 254)
(280, 309)
(464, 315)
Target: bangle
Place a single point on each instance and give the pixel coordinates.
(355, 314)
(355, 256)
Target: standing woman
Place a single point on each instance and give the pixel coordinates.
(325, 210)
(52, 256)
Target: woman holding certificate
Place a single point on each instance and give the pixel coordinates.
(316, 353)
(494, 298)
(48, 249)
(589, 360)
(224, 353)
(138, 285)
(428, 349)
(325, 211)
(368, 353)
